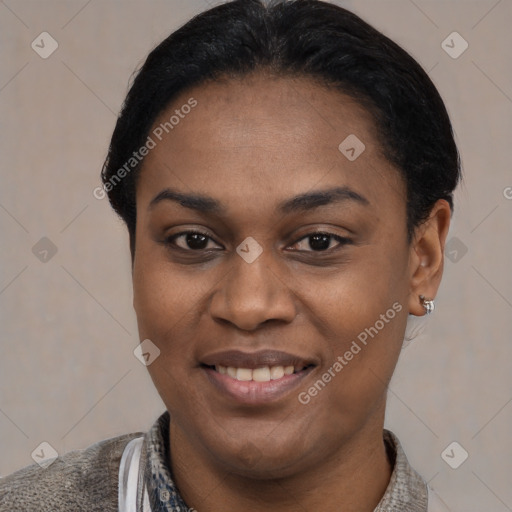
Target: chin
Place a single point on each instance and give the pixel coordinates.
(261, 466)
(261, 458)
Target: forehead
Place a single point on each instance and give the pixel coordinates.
(265, 138)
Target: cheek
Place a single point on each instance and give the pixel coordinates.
(355, 297)
(364, 325)
(164, 303)
(160, 297)
(362, 313)
(170, 302)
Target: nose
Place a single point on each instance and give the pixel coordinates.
(252, 294)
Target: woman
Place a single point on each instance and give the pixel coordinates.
(285, 173)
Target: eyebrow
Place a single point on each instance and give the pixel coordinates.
(301, 202)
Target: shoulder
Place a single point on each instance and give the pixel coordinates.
(80, 480)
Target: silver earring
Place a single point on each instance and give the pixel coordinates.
(428, 304)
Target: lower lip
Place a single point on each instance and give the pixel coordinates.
(256, 393)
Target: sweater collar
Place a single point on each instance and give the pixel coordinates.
(406, 489)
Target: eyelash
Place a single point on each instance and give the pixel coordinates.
(170, 241)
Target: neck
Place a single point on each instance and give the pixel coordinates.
(354, 479)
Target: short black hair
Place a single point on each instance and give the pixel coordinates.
(308, 38)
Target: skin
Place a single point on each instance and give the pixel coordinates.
(251, 144)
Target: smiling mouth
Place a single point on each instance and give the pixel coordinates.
(256, 378)
(262, 374)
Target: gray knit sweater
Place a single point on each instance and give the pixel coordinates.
(80, 480)
(87, 480)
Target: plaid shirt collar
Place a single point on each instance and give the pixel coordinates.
(406, 489)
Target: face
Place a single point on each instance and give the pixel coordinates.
(272, 271)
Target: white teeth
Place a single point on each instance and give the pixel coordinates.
(263, 374)
(243, 374)
(276, 372)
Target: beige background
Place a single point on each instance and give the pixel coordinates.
(68, 373)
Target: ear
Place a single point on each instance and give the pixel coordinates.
(426, 256)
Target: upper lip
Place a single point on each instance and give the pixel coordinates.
(252, 360)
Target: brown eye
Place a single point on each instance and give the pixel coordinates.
(190, 240)
(321, 242)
